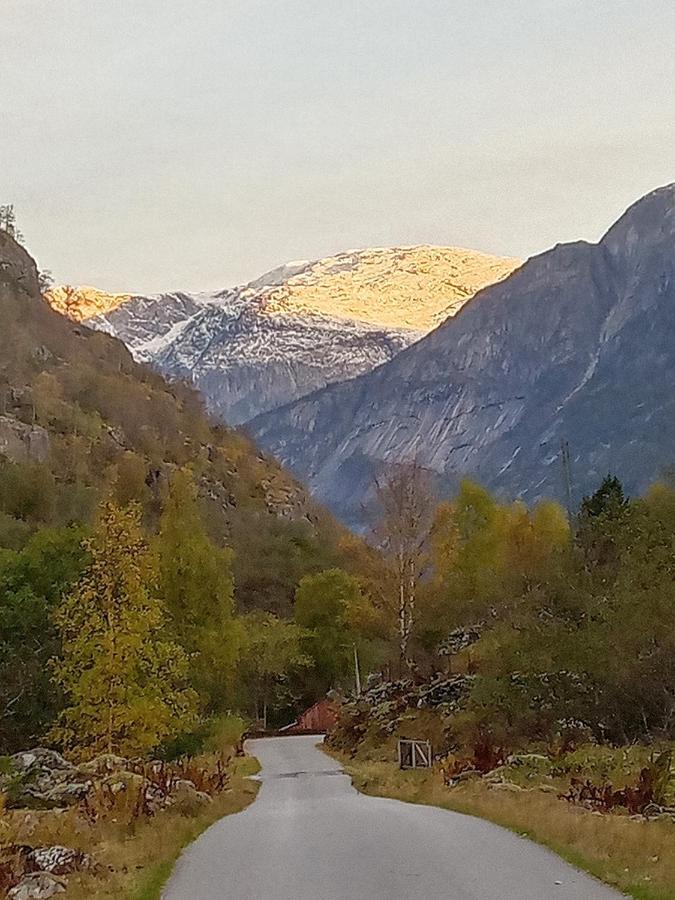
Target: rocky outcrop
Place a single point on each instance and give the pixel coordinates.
(20, 442)
(576, 348)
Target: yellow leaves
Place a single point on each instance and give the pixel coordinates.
(124, 684)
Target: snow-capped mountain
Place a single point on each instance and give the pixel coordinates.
(300, 327)
(574, 350)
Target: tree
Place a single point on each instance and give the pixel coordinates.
(32, 582)
(324, 605)
(8, 222)
(196, 585)
(407, 507)
(603, 519)
(272, 651)
(124, 684)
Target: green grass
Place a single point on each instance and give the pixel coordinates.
(153, 880)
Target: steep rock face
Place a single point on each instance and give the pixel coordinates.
(244, 360)
(301, 326)
(146, 324)
(577, 345)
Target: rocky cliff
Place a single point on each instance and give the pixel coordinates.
(576, 346)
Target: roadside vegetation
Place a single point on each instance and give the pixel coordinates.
(632, 854)
(111, 827)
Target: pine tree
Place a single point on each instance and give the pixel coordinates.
(124, 684)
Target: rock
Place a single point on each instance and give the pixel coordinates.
(466, 775)
(507, 786)
(58, 860)
(526, 759)
(38, 886)
(104, 765)
(63, 793)
(21, 442)
(185, 797)
(41, 757)
(43, 779)
(124, 781)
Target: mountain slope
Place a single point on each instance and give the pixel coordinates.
(79, 418)
(577, 345)
(302, 326)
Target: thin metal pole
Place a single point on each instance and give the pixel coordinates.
(357, 672)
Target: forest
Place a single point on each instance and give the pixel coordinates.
(125, 632)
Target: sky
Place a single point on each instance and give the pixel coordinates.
(155, 145)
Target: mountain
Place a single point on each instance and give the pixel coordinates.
(79, 418)
(576, 346)
(299, 327)
(84, 302)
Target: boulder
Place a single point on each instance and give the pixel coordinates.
(185, 797)
(43, 779)
(38, 886)
(119, 782)
(506, 786)
(40, 757)
(21, 442)
(58, 860)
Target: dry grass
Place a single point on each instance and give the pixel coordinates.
(636, 856)
(134, 856)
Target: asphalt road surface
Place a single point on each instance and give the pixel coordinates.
(310, 835)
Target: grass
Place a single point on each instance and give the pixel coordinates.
(135, 858)
(149, 883)
(634, 856)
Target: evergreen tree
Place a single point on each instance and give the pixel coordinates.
(196, 586)
(124, 683)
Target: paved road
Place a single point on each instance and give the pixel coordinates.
(311, 836)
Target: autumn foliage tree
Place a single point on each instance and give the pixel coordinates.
(403, 531)
(124, 683)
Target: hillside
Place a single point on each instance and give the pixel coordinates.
(79, 417)
(577, 346)
(298, 328)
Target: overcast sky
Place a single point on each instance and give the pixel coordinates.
(165, 144)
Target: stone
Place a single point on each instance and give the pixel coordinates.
(507, 786)
(124, 781)
(43, 779)
(104, 765)
(58, 860)
(21, 442)
(185, 797)
(42, 757)
(38, 886)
